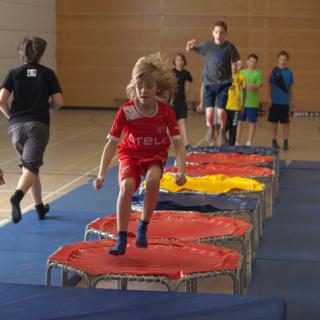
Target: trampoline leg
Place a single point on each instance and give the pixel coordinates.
(194, 286)
(64, 278)
(48, 274)
(122, 284)
(237, 287)
(244, 267)
(248, 258)
(191, 286)
(86, 234)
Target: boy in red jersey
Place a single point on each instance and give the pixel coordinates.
(145, 122)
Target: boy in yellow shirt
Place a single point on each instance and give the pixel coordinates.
(235, 105)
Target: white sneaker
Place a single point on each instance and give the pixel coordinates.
(248, 144)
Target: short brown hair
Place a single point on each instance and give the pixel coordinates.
(182, 56)
(253, 55)
(31, 49)
(221, 24)
(283, 53)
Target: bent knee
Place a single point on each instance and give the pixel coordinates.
(128, 185)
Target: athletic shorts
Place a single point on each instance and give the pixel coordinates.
(180, 108)
(29, 140)
(135, 168)
(216, 95)
(279, 113)
(249, 113)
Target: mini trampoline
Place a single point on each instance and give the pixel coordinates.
(171, 263)
(185, 226)
(263, 151)
(229, 158)
(217, 184)
(263, 175)
(239, 206)
(210, 155)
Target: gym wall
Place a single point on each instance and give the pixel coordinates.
(98, 41)
(20, 18)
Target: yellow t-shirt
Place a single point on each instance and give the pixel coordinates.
(234, 93)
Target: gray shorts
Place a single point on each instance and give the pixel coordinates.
(30, 140)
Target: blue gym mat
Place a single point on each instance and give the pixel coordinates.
(288, 258)
(297, 283)
(25, 247)
(51, 303)
(306, 165)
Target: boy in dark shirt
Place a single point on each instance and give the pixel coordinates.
(33, 85)
(219, 54)
(184, 79)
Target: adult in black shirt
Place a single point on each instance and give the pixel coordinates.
(35, 89)
(179, 102)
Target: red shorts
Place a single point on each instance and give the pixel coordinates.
(135, 168)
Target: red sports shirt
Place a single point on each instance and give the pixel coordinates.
(145, 136)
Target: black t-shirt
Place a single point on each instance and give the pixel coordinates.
(182, 76)
(32, 84)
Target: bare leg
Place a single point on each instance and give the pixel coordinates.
(274, 130)
(239, 132)
(285, 136)
(25, 182)
(252, 130)
(183, 130)
(152, 192)
(210, 125)
(223, 121)
(285, 131)
(150, 200)
(127, 188)
(36, 191)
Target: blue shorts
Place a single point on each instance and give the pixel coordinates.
(216, 95)
(249, 113)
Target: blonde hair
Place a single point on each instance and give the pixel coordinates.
(153, 68)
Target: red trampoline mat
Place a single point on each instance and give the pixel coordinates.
(231, 170)
(162, 258)
(179, 225)
(228, 158)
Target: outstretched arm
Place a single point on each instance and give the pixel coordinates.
(107, 155)
(190, 45)
(181, 161)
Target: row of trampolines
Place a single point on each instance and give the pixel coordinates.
(207, 228)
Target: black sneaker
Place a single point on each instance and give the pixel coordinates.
(275, 144)
(285, 145)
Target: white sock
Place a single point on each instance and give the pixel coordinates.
(248, 143)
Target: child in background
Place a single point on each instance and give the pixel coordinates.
(280, 93)
(1, 177)
(35, 90)
(254, 81)
(235, 104)
(184, 80)
(218, 54)
(144, 150)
